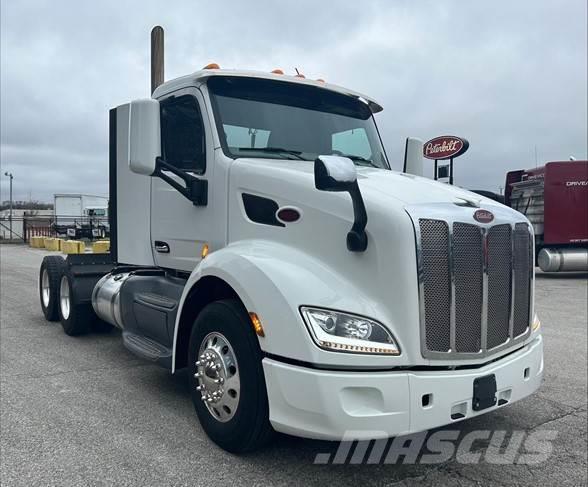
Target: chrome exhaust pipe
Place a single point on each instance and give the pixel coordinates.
(563, 259)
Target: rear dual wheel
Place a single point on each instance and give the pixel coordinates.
(75, 317)
(52, 268)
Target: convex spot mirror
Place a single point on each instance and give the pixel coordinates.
(334, 173)
(144, 136)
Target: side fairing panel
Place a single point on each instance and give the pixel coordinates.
(130, 196)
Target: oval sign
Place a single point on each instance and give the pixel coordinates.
(445, 147)
(483, 216)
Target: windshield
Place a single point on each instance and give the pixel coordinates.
(273, 119)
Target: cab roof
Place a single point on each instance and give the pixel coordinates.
(202, 75)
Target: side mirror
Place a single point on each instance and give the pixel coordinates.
(413, 156)
(336, 173)
(144, 136)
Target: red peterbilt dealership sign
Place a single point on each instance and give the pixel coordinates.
(445, 147)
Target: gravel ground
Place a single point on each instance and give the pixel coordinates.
(85, 411)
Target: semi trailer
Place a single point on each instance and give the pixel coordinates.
(260, 239)
(554, 198)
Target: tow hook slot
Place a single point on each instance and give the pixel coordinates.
(337, 173)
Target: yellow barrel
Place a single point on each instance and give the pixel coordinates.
(101, 247)
(73, 247)
(37, 242)
(49, 243)
(53, 243)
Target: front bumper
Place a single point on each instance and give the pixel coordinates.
(335, 405)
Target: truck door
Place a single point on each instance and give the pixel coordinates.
(178, 228)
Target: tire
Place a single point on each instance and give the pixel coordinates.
(76, 318)
(52, 268)
(245, 427)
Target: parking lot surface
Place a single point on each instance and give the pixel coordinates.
(85, 411)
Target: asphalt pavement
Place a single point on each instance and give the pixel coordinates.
(85, 411)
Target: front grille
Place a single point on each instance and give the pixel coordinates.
(475, 286)
(467, 264)
(436, 281)
(499, 284)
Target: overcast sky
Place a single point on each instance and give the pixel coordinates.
(510, 76)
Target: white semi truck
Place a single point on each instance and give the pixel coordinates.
(260, 238)
(80, 215)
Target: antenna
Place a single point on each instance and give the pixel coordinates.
(157, 59)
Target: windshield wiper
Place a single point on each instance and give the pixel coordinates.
(362, 160)
(274, 150)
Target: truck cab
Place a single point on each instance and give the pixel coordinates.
(260, 238)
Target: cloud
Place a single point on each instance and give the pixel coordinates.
(510, 76)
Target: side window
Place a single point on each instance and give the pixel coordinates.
(182, 134)
(353, 142)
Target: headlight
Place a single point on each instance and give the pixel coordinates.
(342, 332)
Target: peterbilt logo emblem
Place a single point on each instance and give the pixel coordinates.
(445, 147)
(483, 216)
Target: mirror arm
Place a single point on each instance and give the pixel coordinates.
(196, 190)
(357, 238)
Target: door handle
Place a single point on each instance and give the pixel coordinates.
(161, 247)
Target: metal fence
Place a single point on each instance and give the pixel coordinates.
(22, 228)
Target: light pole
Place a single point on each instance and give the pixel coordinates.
(9, 174)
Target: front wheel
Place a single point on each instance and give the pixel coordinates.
(227, 382)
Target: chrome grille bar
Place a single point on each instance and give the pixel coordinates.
(523, 270)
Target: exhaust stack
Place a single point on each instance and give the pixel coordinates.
(157, 59)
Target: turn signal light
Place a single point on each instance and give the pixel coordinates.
(205, 250)
(536, 323)
(211, 66)
(256, 324)
(277, 71)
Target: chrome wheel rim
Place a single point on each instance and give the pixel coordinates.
(45, 291)
(64, 298)
(217, 377)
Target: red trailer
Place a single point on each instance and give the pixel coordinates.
(555, 200)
